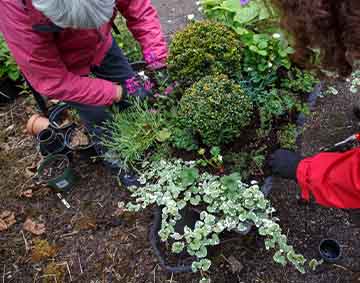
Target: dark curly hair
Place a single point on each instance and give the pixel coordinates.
(331, 25)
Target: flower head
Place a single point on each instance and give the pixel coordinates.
(244, 2)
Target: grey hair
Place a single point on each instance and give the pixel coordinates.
(76, 13)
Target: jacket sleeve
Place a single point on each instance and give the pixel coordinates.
(143, 22)
(332, 178)
(40, 62)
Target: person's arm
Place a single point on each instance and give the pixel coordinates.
(332, 178)
(143, 22)
(40, 62)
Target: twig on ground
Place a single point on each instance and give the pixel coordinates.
(50, 275)
(81, 269)
(3, 277)
(25, 241)
(156, 266)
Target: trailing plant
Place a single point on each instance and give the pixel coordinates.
(217, 109)
(8, 66)
(134, 131)
(204, 48)
(298, 81)
(126, 41)
(224, 203)
(287, 137)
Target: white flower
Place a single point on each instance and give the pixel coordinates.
(198, 3)
(253, 182)
(190, 17)
(270, 64)
(276, 35)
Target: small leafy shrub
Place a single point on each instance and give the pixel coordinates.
(287, 137)
(299, 81)
(204, 48)
(225, 204)
(8, 66)
(126, 41)
(265, 54)
(216, 108)
(134, 131)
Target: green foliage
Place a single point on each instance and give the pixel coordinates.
(215, 160)
(264, 54)
(247, 163)
(238, 16)
(355, 81)
(299, 81)
(225, 204)
(134, 131)
(126, 41)
(204, 48)
(287, 137)
(8, 66)
(216, 108)
(183, 138)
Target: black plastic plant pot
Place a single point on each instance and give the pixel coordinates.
(51, 142)
(56, 172)
(330, 250)
(8, 90)
(58, 118)
(79, 139)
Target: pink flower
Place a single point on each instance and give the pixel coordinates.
(168, 90)
(148, 85)
(131, 85)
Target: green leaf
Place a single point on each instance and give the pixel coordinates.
(189, 176)
(163, 135)
(177, 247)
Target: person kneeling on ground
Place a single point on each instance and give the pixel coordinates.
(58, 43)
(334, 27)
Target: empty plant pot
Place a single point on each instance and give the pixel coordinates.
(330, 250)
(36, 124)
(79, 139)
(55, 171)
(51, 142)
(60, 118)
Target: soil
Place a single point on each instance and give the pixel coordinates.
(97, 242)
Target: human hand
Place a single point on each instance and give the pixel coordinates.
(119, 94)
(284, 163)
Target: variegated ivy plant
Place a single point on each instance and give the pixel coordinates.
(226, 204)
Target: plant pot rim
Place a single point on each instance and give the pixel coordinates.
(336, 244)
(81, 147)
(49, 159)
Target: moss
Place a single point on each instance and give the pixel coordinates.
(287, 137)
(52, 271)
(204, 48)
(42, 250)
(216, 108)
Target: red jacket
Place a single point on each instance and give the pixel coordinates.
(332, 178)
(56, 61)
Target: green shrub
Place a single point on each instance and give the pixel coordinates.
(287, 137)
(204, 48)
(8, 66)
(299, 81)
(216, 108)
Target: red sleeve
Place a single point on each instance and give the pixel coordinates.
(40, 62)
(332, 178)
(143, 22)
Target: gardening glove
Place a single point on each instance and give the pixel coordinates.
(284, 163)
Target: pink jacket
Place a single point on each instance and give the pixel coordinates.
(55, 62)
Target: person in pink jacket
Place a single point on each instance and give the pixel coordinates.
(59, 43)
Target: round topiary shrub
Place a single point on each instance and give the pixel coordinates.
(201, 49)
(216, 108)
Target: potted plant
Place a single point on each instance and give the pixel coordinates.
(56, 172)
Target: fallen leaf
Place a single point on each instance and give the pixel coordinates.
(7, 219)
(236, 266)
(34, 228)
(27, 194)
